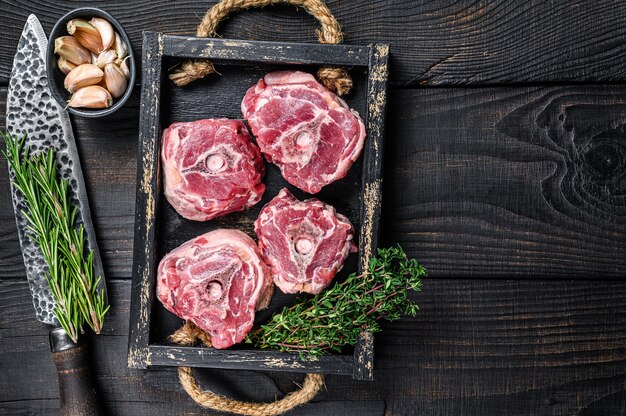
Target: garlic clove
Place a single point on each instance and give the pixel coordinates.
(124, 67)
(120, 47)
(82, 76)
(106, 57)
(69, 48)
(86, 34)
(115, 80)
(92, 96)
(107, 34)
(94, 58)
(81, 25)
(64, 65)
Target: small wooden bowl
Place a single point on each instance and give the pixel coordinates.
(56, 77)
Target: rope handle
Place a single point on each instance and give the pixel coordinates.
(188, 334)
(335, 79)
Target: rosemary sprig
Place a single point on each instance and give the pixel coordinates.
(52, 226)
(333, 319)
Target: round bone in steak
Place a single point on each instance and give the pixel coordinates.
(305, 243)
(217, 281)
(309, 132)
(211, 168)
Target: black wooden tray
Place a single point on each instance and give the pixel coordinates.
(159, 229)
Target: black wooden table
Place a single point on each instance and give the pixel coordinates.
(504, 174)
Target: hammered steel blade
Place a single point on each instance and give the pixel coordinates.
(31, 110)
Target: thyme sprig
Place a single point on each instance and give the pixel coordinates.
(52, 226)
(333, 319)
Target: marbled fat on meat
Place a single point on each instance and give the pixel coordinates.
(305, 243)
(211, 168)
(217, 281)
(307, 131)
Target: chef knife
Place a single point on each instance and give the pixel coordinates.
(32, 111)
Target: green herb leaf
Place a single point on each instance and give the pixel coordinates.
(52, 226)
(333, 319)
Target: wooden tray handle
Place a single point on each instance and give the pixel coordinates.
(76, 387)
(335, 79)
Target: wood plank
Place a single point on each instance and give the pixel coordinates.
(169, 354)
(264, 52)
(343, 407)
(477, 347)
(435, 42)
(371, 189)
(148, 194)
(497, 182)
(493, 182)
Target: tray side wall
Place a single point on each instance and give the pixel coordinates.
(267, 52)
(148, 192)
(141, 353)
(371, 189)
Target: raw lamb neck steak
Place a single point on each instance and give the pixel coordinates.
(309, 132)
(217, 281)
(211, 168)
(305, 243)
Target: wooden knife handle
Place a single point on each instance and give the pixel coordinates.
(76, 384)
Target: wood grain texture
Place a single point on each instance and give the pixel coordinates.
(477, 347)
(494, 182)
(502, 182)
(77, 390)
(238, 358)
(148, 194)
(268, 52)
(435, 42)
(498, 182)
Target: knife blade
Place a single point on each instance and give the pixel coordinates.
(32, 111)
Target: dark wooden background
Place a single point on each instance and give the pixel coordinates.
(504, 173)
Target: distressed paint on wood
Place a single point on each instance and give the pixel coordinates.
(144, 346)
(371, 189)
(148, 193)
(364, 357)
(172, 354)
(270, 52)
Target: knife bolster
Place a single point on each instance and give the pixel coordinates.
(60, 341)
